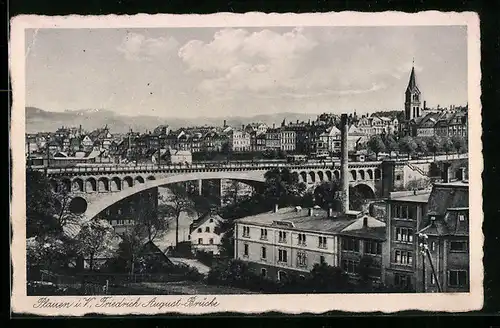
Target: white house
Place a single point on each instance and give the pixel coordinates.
(204, 235)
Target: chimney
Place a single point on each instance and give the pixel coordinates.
(275, 210)
(425, 104)
(344, 164)
(274, 125)
(243, 126)
(311, 211)
(224, 124)
(365, 222)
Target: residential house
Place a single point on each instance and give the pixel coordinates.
(162, 130)
(204, 233)
(406, 211)
(87, 143)
(273, 138)
(287, 139)
(447, 229)
(239, 141)
(290, 241)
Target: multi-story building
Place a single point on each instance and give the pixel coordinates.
(273, 138)
(406, 212)
(239, 141)
(287, 140)
(204, 234)
(447, 229)
(290, 241)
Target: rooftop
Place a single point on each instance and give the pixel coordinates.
(296, 218)
(418, 197)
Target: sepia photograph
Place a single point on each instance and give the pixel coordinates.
(247, 160)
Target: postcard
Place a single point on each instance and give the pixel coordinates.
(294, 163)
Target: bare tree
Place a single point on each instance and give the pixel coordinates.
(95, 238)
(178, 202)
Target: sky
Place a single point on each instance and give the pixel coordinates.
(220, 72)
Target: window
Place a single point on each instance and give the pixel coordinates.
(302, 277)
(211, 220)
(282, 255)
(245, 250)
(301, 259)
(350, 244)
(246, 232)
(373, 247)
(200, 241)
(211, 241)
(458, 246)
(457, 278)
(402, 281)
(282, 237)
(207, 229)
(302, 238)
(461, 217)
(189, 237)
(199, 229)
(322, 242)
(398, 177)
(403, 257)
(263, 234)
(263, 253)
(263, 273)
(321, 259)
(350, 266)
(433, 246)
(281, 275)
(404, 235)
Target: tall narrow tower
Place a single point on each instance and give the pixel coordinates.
(412, 98)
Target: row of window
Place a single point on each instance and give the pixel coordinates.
(207, 229)
(456, 278)
(352, 245)
(282, 237)
(408, 212)
(282, 255)
(210, 241)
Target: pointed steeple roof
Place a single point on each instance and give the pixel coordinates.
(412, 84)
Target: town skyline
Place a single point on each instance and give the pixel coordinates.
(248, 78)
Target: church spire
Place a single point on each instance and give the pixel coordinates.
(412, 84)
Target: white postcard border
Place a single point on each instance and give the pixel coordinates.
(456, 302)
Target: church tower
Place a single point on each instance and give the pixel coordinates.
(413, 107)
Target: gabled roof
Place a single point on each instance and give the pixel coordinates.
(204, 218)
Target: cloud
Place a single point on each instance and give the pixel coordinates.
(137, 47)
(237, 60)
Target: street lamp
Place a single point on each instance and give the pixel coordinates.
(423, 245)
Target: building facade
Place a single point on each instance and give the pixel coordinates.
(204, 234)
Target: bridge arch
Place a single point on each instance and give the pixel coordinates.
(103, 184)
(336, 173)
(151, 178)
(361, 174)
(139, 179)
(312, 175)
(328, 175)
(303, 175)
(353, 175)
(370, 174)
(116, 184)
(128, 182)
(321, 176)
(365, 190)
(91, 185)
(78, 185)
(99, 204)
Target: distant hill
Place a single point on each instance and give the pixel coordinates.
(39, 120)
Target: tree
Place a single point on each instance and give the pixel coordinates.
(434, 144)
(232, 192)
(282, 187)
(376, 145)
(364, 271)
(418, 184)
(421, 146)
(326, 195)
(390, 144)
(95, 238)
(407, 145)
(325, 278)
(178, 202)
(459, 144)
(447, 145)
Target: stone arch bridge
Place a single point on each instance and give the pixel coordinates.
(98, 187)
